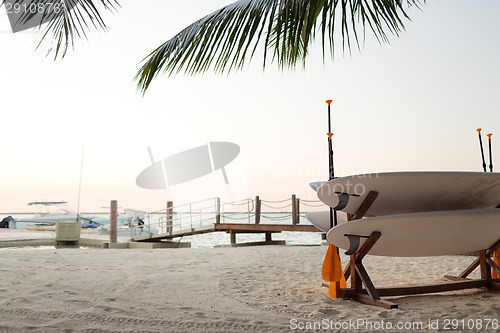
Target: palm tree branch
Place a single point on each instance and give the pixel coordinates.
(221, 41)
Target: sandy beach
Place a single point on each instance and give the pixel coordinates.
(250, 289)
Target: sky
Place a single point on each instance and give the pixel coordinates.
(411, 105)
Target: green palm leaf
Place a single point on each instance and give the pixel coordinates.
(227, 38)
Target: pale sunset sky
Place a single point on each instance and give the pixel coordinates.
(413, 104)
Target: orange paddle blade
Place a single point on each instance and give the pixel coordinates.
(332, 266)
(496, 259)
(334, 287)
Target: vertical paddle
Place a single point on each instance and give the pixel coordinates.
(489, 148)
(481, 146)
(332, 266)
(496, 254)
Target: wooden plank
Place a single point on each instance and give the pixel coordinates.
(230, 227)
(477, 261)
(376, 302)
(347, 271)
(355, 281)
(174, 234)
(360, 269)
(350, 269)
(358, 256)
(493, 264)
(494, 285)
(485, 268)
(367, 245)
(423, 289)
(456, 278)
(469, 269)
(240, 227)
(367, 202)
(276, 242)
(252, 232)
(347, 293)
(435, 288)
(365, 205)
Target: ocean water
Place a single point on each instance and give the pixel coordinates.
(156, 223)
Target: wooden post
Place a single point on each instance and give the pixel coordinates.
(113, 221)
(485, 268)
(294, 210)
(232, 235)
(170, 217)
(269, 237)
(298, 210)
(257, 210)
(217, 210)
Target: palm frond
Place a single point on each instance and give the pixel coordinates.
(227, 38)
(62, 21)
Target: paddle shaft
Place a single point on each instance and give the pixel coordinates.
(331, 170)
(489, 148)
(481, 146)
(332, 266)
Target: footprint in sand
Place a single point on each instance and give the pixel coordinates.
(384, 314)
(330, 312)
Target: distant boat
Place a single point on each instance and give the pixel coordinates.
(4, 224)
(130, 223)
(50, 213)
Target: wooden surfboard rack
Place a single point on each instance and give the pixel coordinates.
(370, 295)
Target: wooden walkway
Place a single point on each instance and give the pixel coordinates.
(232, 229)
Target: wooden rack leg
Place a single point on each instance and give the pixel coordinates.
(365, 205)
(484, 261)
(360, 212)
(359, 276)
(485, 268)
(493, 264)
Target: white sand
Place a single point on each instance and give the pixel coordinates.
(253, 289)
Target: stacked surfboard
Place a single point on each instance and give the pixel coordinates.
(417, 213)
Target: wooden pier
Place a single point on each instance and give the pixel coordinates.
(217, 223)
(232, 229)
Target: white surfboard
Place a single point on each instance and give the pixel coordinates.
(316, 185)
(408, 192)
(424, 234)
(321, 220)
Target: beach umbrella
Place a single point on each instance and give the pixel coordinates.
(332, 266)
